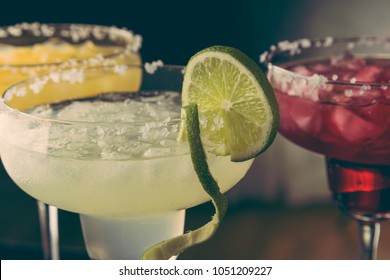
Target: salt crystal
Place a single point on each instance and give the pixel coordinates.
(34, 26)
(348, 92)
(350, 45)
(328, 41)
(36, 32)
(263, 57)
(74, 75)
(47, 30)
(283, 46)
(98, 33)
(20, 91)
(137, 43)
(38, 85)
(3, 33)
(334, 77)
(121, 69)
(353, 80)
(15, 31)
(151, 68)
(305, 43)
(364, 88)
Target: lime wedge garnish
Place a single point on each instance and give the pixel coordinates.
(238, 110)
(230, 106)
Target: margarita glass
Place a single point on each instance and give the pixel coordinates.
(28, 50)
(334, 99)
(106, 147)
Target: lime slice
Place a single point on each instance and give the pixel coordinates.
(238, 110)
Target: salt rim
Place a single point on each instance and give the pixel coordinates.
(36, 84)
(73, 75)
(308, 86)
(76, 33)
(295, 84)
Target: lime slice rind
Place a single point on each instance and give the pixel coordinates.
(231, 90)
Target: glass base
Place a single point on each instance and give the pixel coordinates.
(360, 190)
(48, 222)
(127, 238)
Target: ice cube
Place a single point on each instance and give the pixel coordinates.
(319, 68)
(302, 113)
(369, 73)
(348, 125)
(302, 70)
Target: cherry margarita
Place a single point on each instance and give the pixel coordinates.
(339, 105)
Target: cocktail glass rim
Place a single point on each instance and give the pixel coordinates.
(296, 47)
(131, 41)
(46, 78)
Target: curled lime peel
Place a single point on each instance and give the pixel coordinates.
(176, 245)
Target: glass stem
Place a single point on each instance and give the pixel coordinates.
(48, 221)
(369, 237)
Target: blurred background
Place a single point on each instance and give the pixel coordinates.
(282, 208)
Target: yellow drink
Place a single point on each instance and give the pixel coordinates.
(28, 50)
(35, 49)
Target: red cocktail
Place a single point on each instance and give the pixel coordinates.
(334, 98)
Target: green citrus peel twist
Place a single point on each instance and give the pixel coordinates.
(174, 246)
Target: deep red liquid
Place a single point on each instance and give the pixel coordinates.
(360, 189)
(353, 131)
(357, 133)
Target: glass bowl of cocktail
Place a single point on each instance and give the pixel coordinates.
(28, 50)
(334, 97)
(32, 49)
(110, 145)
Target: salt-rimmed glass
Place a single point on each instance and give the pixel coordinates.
(124, 46)
(129, 177)
(334, 98)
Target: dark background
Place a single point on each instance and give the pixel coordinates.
(173, 30)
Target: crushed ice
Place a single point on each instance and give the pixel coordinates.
(115, 130)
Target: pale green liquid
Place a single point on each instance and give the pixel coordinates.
(115, 171)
